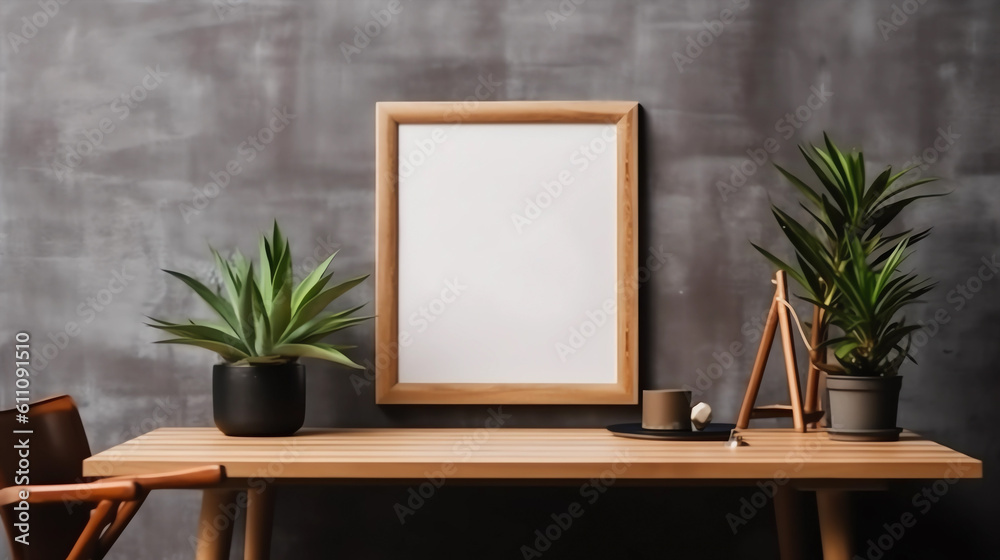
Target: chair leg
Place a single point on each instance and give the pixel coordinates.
(788, 515)
(126, 511)
(86, 546)
(835, 523)
(260, 515)
(215, 525)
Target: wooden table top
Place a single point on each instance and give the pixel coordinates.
(514, 453)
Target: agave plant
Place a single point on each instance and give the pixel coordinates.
(849, 220)
(875, 341)
(264, 319)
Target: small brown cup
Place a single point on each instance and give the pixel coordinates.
(666, 409)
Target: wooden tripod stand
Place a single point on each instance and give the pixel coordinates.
(778, 316)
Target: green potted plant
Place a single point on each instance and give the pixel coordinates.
(863, 385)
(266, 326)
(847, 263)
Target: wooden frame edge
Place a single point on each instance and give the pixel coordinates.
(388, 115)
(386, 253)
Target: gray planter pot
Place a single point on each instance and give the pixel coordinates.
(863, 408)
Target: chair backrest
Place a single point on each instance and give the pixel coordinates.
(56, 449)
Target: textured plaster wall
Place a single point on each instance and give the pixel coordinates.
(114, 115)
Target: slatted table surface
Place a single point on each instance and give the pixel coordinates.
(509, 453)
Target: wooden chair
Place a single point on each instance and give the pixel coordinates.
(69, 517)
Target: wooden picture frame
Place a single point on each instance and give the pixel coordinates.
(467, 122)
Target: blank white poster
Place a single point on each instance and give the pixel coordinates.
(507, 253)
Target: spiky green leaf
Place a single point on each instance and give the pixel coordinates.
(221, 306)
(319, 302)
(227, 352)
(316, 350)
(313, 279)
(248, 331)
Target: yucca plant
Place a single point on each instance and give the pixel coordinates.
(875, 339)
(264, 319)
(849, 220)
(845, 208)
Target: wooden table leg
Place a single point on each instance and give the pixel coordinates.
(835, 523)
(260, 514)
(215, 525)
(787, 515)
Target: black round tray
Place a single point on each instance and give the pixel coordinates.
(711, 432)
(891, 434)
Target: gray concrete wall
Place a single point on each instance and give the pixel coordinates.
(67, 233)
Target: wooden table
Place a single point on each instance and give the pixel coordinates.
(793, 461)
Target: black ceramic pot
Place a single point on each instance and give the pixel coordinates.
(863, 407)
(261, 400)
